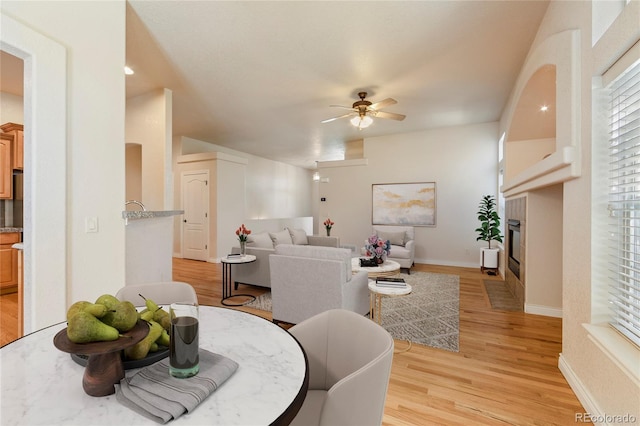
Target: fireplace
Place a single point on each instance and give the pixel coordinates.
(513, 248)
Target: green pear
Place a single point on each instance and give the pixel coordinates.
(142, 348)
(162, 317)
(151, 305)
(108, 300)
(146, 315)
(97, 310)
(123, 316)
(84, 327)
(164, 339)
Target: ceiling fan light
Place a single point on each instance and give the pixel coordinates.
(362, 122)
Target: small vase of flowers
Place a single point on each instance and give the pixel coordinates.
(243, 233)
(377, 248)
(328, 224)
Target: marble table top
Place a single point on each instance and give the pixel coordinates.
(43, 386)
(246, 258)
(389, 291)
(389, 267)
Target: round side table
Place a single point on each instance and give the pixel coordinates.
(376, 293)
(227, 262)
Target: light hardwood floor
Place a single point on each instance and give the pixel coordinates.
(506, 372)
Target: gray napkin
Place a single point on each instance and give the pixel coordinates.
(157, 395)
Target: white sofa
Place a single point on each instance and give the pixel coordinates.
(308, 280)
(262, 244)
(402, 248)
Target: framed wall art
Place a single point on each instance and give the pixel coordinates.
(410, 204)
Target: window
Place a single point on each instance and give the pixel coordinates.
(624, 202)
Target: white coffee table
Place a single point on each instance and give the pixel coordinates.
(388, 268)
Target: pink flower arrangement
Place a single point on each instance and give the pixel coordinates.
(328, 224)
(377, 247)
(242, 233)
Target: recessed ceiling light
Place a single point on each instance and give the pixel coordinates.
(127, 70)
(544, 108)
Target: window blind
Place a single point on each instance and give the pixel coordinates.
(624, 203)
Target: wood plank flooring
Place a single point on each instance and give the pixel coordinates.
(505, 373)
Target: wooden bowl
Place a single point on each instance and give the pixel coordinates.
(104, 367)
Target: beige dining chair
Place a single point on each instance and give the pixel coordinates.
(349, 367)
(162, 293)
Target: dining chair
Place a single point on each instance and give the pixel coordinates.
(162, 293)
(349, 367)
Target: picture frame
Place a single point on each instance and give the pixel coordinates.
(407, 204)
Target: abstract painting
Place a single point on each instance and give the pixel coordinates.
(411, 204)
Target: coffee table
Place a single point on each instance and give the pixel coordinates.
(386, 269)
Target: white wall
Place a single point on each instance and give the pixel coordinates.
(93, 38)
(462, 161)
(273, 189)
(597, 375)
(148, 123)
(11, 108)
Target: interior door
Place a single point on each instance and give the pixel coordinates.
(195, 225)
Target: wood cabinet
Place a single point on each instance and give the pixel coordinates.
(8, 262)
(17, 131)
(6, 169)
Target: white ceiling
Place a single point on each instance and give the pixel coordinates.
(259, 77)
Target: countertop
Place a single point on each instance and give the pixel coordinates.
(139, 214)
(9, 229)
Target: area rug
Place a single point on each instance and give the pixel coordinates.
(500, 296)
(428, 316)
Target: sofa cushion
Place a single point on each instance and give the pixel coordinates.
(395, 238)
(282, 237)
(318, 252)
(298, 236)
(261, 240)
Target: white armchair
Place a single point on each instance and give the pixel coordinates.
(308, 280)
(402, 243)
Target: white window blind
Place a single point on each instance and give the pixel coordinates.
(624, 202)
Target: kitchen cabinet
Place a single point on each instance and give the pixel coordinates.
(6, 169)
(17, 131)
(8, 262)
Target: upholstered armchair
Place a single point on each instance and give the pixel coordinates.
(402, 243)
(349, 367)
(308, 280)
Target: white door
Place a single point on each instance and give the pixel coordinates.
(195, 224)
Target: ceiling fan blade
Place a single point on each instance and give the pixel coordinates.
(391, 115)
(335, 118)
(340, 106)
(383, 103)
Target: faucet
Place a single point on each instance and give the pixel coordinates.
(144, 209)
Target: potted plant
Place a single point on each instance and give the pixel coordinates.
(488, 231)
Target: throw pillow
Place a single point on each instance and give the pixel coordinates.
(299, 236)
(261, 240)
(281, 237)
(395, 238)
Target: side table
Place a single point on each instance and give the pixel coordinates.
(375, 301)
(226, 278)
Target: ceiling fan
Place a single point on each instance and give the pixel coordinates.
(363, 111)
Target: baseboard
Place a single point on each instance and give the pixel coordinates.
(178, 255)
(580, 390)
(547, 311)
(448, 263)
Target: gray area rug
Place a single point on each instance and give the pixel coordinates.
(428, 316)
(500, 296)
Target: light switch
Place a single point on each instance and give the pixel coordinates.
(90, 224)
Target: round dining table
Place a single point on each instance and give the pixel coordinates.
(41, 385)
